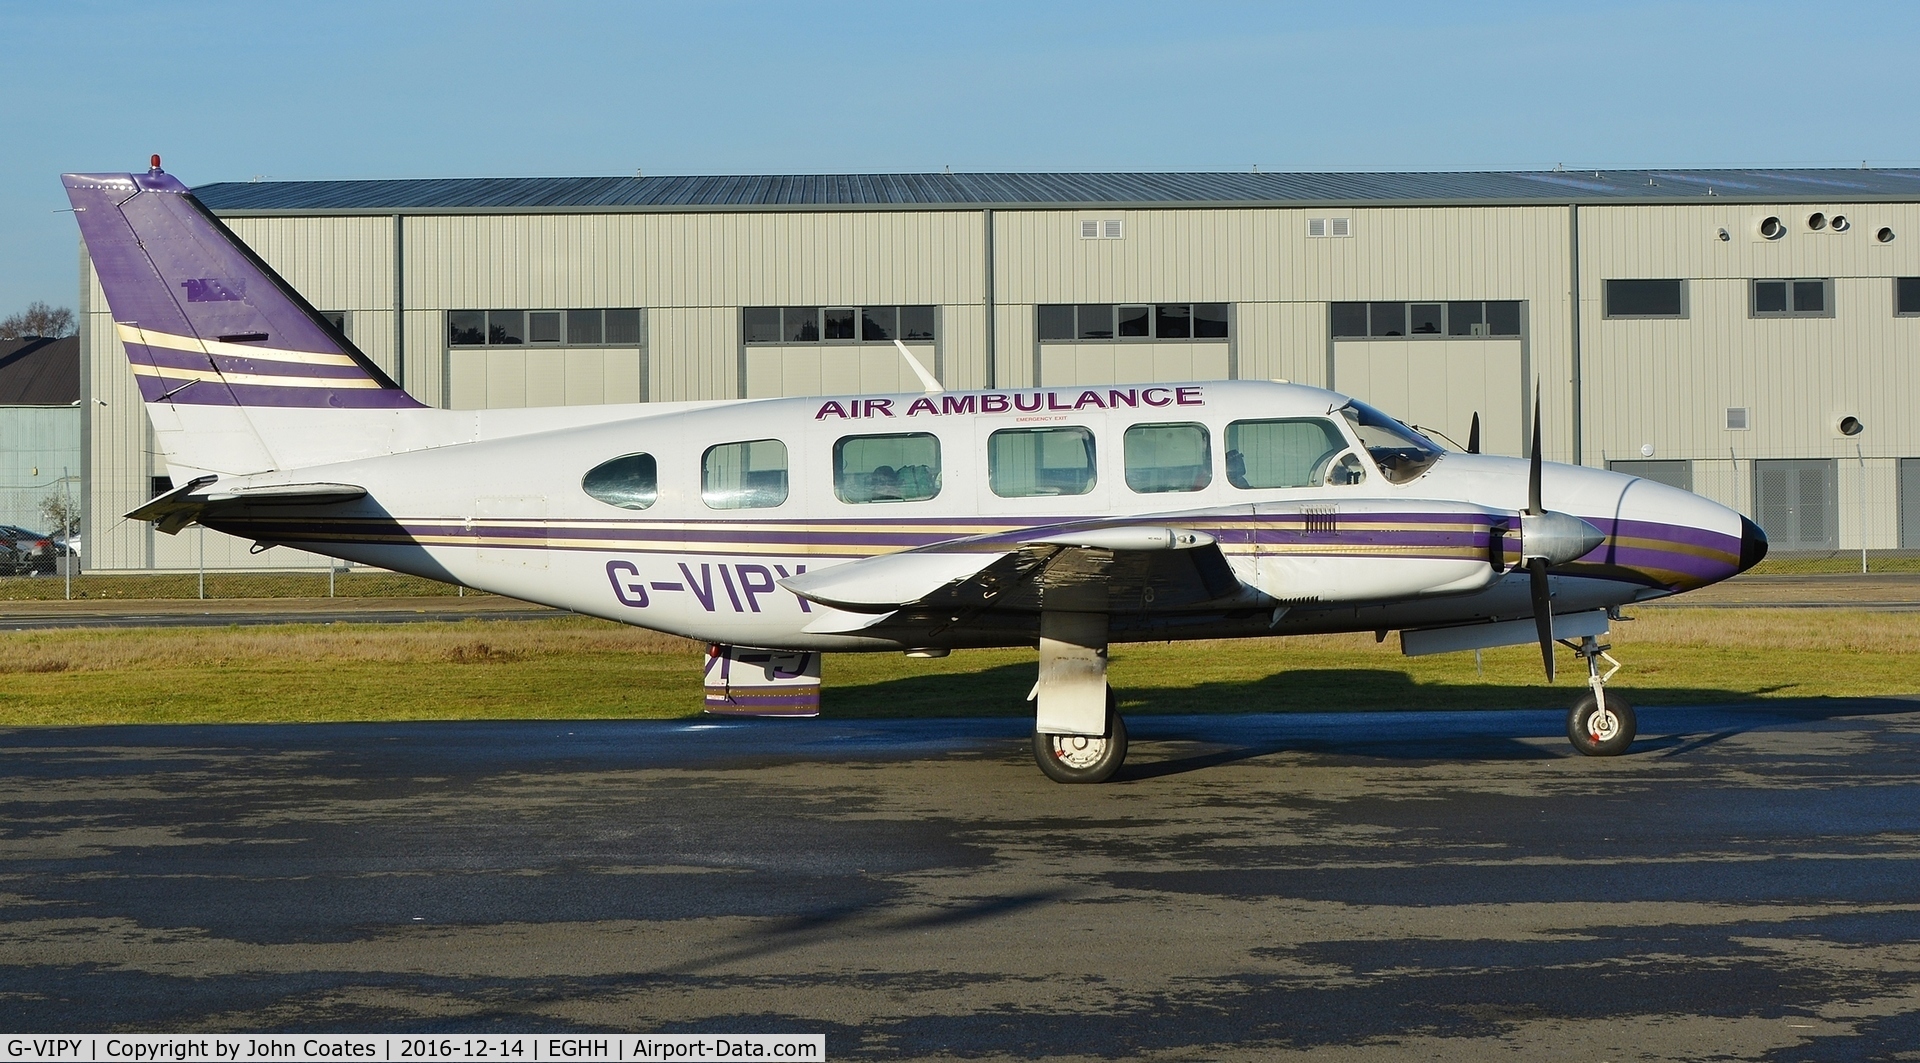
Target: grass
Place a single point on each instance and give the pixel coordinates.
(576, 668)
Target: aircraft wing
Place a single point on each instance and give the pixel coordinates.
(1141, 568)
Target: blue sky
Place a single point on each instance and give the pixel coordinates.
(229, 91)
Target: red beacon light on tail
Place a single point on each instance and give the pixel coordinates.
(155, 168)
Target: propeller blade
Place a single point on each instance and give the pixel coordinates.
(1533, 472)
(1473, 434)
(1542, 610)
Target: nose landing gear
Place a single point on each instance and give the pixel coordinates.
(1600, 725)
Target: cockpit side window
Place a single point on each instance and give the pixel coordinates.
(1294, 452)
(631, 481)
(1402, 453)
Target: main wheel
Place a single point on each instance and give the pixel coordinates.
(1083, 758)
(1601, 734)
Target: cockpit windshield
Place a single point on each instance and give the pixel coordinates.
(1401, 452)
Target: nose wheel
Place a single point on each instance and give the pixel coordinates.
(1600, 724)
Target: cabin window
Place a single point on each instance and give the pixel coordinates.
(630, 482)
(892, 468)
(1168, 457)
(1024, 462)
(1286, 453)
(750, 475)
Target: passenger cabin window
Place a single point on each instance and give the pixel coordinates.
(893, 468)
(1168, 457)
(751, 475)
(1401, 452)
(1305, 452)
(1024, 462)
(630, 482)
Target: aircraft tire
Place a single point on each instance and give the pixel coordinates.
(1078, 758)
(1610, 741)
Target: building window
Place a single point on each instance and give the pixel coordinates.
(1794, 297)
(336, 318)
(1639, 298)
(1906, 296)
(1136, 321)
(1672, 473)
(544, 328)
(1379, 320)
(836, 324)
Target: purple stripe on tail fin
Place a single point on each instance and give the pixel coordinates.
(196, 304)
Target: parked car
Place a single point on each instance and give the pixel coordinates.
(26, 553)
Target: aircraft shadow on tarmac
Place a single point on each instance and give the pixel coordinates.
(1001, 691)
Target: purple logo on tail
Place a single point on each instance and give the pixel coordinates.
(215, 290)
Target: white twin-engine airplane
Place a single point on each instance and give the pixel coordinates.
(775, 529)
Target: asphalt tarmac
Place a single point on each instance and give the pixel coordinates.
(1366, 886)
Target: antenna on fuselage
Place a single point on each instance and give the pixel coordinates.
(926, 379)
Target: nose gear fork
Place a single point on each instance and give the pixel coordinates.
(1599, 726)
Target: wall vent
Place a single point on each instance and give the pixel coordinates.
(1339, 227)
(1110, 229)
(1100, 229)
(1736, 418)
(1329, 227)
(1316, 226)
(1089, 229)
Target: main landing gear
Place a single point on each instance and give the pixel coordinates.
(1600, 724)
(1077, 735)
(1083, 758)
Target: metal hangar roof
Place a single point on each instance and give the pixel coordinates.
(471, 195)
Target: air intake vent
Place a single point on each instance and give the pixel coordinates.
(1736, 418)
(1317, 227)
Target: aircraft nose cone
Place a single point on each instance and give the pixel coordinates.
(1753, 544)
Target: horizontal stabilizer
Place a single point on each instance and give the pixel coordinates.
(192, 502)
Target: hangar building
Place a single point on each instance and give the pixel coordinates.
(1752, 335)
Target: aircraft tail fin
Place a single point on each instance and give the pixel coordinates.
(215, 337)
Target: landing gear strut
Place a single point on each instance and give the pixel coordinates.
(1600, 724)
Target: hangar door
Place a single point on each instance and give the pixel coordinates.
(1797, 503)
(1437, 364)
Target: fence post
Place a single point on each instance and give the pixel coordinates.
(1861, 453)
(203, 561)
(68, 527)
(331, 569)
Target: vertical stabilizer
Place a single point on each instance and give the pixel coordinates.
(218, 342)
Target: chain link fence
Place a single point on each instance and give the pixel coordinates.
(319, 581)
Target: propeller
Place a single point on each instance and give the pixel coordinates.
(1537, 566)
(1473, 434)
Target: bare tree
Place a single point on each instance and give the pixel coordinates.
(38, 319)
(62, 512)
